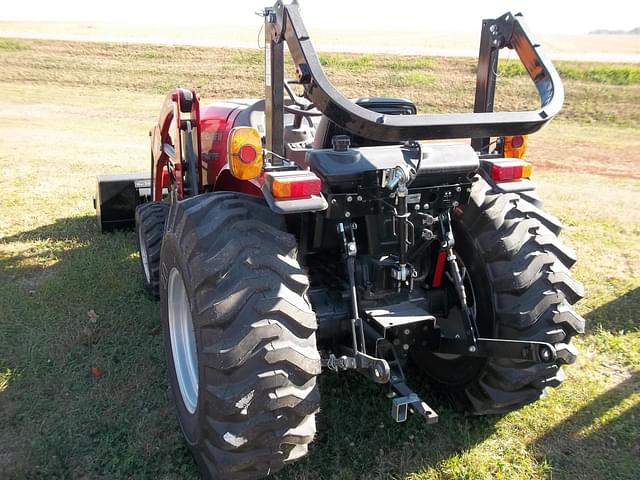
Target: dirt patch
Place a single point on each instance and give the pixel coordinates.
(592, 159)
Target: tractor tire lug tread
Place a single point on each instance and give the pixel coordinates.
(531, 290)
(258, 356)
(150, 219)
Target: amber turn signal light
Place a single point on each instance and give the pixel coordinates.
(244, 153)
(515, 146)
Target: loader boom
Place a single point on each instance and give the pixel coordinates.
(284, 24)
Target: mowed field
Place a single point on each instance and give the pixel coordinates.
(83, 389)
(603, 47)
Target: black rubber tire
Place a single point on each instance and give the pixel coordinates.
(150, 218)
(519, 271)
(254, 331)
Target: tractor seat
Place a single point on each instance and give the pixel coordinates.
(327, 129)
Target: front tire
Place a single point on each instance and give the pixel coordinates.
(253, 407)
(522, 290)
(150, 218)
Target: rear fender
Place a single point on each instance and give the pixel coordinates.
(228, 183)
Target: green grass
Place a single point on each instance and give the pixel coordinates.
(77, 110)
(355, 63)
(405, 63)
(8, 44)
(146, 69)
(614, 74)
(411, 78)
(597, 73)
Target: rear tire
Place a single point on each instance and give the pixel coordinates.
(522, 288)
(254, 331)
(150, 218)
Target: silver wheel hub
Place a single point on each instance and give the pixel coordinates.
(183, 340)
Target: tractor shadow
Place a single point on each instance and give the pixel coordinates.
(601, 440)
(358, 439)
(39, 253)
(617, 316)
(79, 334)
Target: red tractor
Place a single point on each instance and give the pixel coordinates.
(309, 231)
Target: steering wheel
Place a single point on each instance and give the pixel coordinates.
(301, 108)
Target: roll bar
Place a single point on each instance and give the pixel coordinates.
(283, 23)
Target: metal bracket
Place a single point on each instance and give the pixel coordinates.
(538, 352)
(377, 369)
(335, 364)
(401, 406)
(407, 399)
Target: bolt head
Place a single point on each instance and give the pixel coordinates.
(425, 206)
(545, 353)
(455, 203)
(347, 214)
(405, 347)
(458, 189)
(472, 349)
(417, 207)
(359, 198)
(333, 201)
(349, 198)
(407, 331)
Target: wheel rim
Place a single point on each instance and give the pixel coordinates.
(183, 340)
(143, 256)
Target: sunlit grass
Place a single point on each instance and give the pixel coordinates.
(591, 72)
(5, 376)
(10, 44)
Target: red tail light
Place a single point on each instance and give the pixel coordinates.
(510, 170)
(291, 185)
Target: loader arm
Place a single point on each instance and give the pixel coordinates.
(506, 31)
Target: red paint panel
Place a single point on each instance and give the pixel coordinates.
(437, 276)
(215, 123)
